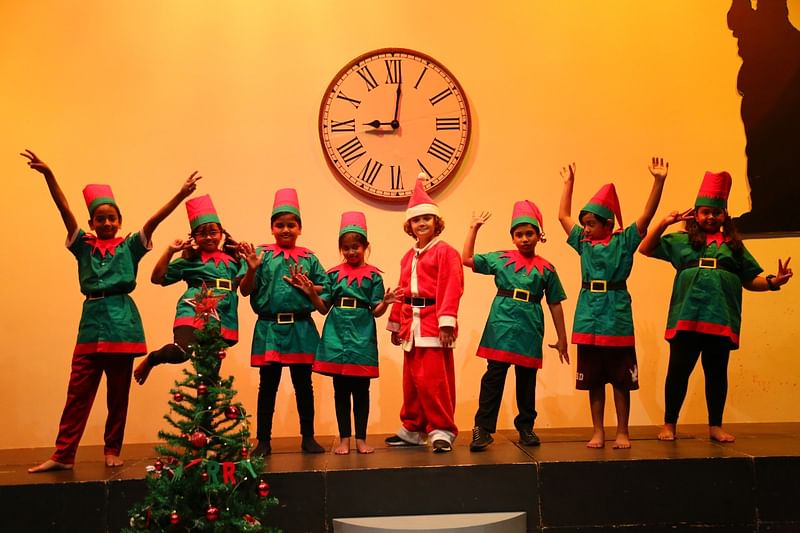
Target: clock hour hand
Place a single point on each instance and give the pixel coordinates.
(395, 123)
(377, 123)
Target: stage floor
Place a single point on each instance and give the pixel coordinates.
(691, 483)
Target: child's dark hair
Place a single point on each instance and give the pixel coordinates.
(603, 221)
(229, 245)
(541, 234)
(276, 215)
(697, 237)
(358, 237)
(438, 226)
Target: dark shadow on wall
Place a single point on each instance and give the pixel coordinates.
(769, 83)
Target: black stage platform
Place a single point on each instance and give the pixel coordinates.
(690, 484)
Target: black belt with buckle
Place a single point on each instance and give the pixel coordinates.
(705, 262)
(521, 295)
(221, 284)
(347, 302)
(98, 295)
(285, 318)
(601, 285)
(417, 301)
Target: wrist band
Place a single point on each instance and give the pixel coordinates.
(770, 285)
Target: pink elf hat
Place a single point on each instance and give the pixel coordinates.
(286, 202)
(201, 211)
(714, 190)
(605, 204)
(96, 195)
(420, 203)
(353, 221)
(526, 212)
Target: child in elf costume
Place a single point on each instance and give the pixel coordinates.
(284, 333)
(424, 323)
(515, 328)
(603, 326)
(353, 296)
(110, 333)
(205, 259)
(712, 266)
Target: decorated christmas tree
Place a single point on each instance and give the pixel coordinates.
(204, 478)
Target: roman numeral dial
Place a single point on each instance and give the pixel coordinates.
(393, 113)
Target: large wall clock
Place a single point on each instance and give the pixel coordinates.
(390, 114)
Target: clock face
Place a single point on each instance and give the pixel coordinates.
(389, 115)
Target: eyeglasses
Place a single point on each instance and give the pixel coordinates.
(212, 233)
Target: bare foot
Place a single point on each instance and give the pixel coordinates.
(48, 466)
(361, 446)
(623, 441)
(142, 370)
(667, 432)
(598, 439)
(114, 460)
(716, 433)
(344, 446)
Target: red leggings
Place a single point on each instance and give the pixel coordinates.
(84, 381)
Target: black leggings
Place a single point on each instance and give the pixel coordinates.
(270, 378)
(684, 351)
(178, 351)
(358, 388)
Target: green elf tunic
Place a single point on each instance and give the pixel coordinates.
(284, 332)
(705, 299)
(349, 345)
(110, 321)
(220, 272)
(604, 318)
(515, 328)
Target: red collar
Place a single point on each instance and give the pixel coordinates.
(294, 253)
(717, 238)
(529, 263)
(103, 246)
(217, 256)
(352, 274)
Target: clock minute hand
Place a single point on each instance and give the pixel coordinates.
(395, 123)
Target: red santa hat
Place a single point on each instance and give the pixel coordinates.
(96, 195)
(714, 190)
(353, 221)
(526, 212)
(420, 203)
(201, 211)
(286, 202)
(605, 204)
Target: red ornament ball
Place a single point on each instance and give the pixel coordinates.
(198, 439)
(212, 513)
(204, 476)
(202, 389)
(158, 465)
(232, 412)
(245, 452)
(174, 518)
(178, 397)
(263, 488)
(221, 355)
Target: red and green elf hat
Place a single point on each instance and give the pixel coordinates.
(714, 190)
(420, 203)
(286, 202)
(526, 212)
(96, 195)
(353, 221)
(201, 211)
(605, 204)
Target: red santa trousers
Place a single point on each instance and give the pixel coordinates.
(429, 390)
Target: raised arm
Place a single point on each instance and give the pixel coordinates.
(55, 191)
(301, 281)
(564, 209)
(248, 252)
(160, 269)
(659, 169)
(389, 297)
(468, 252)
(771, 282)
(187, 188)
(650, 242)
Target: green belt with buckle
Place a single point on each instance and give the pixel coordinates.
(285, 318)
(219, 283)
(521, 295)
(601, 285)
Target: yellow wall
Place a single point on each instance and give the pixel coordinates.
(139, 94)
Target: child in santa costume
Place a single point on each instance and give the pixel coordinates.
(705, 311)
(110, 333)
(603, 326)
(424, 323)
(205, 259)
(353, 296)
(515, 328)
(284, 333)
